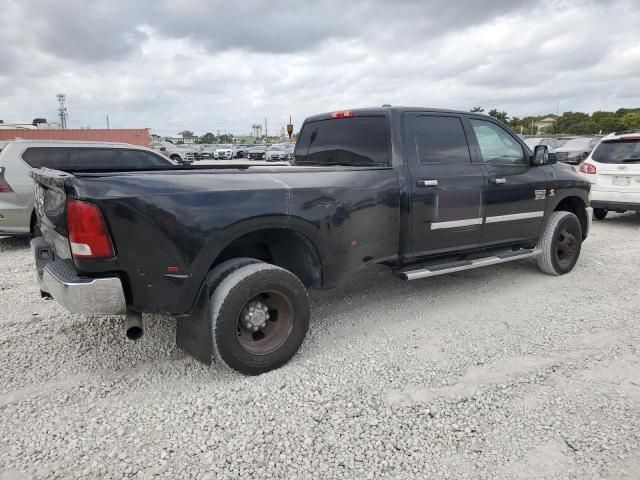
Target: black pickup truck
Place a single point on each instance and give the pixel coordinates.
(230, 250)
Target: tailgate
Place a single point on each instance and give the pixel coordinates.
(50, 207)
(618, 165)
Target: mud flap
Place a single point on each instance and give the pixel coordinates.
(193, 331)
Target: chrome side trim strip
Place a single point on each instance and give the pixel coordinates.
(515, 216)
(456, 223)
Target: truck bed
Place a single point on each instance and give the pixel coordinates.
(185, 217)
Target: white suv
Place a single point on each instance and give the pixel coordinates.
(613, 168)
(18, 157)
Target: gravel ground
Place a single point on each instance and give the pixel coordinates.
(501, 372)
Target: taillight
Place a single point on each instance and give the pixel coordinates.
(4, 186)
(88, 233)
(588, 168)
(342, 114)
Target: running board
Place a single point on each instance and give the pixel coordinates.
(458, 266)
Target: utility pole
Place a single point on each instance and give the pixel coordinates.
(266, 129)
(62, 110)
(107, 121)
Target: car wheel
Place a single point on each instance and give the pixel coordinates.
(599, 213)
(34, 226)
(176, 158)
(259, 318)
(560, 243)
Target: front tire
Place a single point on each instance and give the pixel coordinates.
(561, 242)
(599, 213)
(259, 318)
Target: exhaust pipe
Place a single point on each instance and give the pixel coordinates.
(133, 325)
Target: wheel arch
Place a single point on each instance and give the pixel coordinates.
(290, 246)
(576, 205)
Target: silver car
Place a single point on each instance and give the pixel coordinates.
(17, 216)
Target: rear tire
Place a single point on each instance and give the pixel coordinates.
(599, 213)
(561, 242)
(259, 318)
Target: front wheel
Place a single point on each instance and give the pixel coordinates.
(259, 318)
(599, 213)
(560, 243)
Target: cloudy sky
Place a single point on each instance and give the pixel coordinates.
(208, 65)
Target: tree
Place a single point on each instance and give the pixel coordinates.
(226, 138)
(477, 109)
(186, 134)
(207, 138)
(502, 116)
(631, 120)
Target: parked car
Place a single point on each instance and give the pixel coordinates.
(277, 153)
(576, 150)
(613, 169)
(176, 153)
(422, 191)
(189, 151)
(206, 152)
(257, 152)
(533, 142)
(241, 151)
(17, 216)
(225, 152)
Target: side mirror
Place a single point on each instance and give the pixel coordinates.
(540, 155)
(163, 149)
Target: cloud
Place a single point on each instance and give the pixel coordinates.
(211, 65)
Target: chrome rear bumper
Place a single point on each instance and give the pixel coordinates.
(75, 292)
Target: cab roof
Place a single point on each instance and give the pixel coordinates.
(358, 112)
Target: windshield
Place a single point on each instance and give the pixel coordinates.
(618, 151)
(578, 143)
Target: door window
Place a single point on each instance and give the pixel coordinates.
(497, 147)
(50, 157)
(94, 158)
(441, 140)
(140, 159)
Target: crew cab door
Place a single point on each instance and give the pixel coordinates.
(516, 194)
(446, 185)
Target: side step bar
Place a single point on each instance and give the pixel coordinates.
(451, 267)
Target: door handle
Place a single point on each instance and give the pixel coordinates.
(498, 180)
(427, 183)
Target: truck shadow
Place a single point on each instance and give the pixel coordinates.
(620, 219)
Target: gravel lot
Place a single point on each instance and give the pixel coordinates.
(501, 372)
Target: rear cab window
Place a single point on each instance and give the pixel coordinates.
(626, 150)
(359, 141)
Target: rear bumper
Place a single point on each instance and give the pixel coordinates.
(75, 292)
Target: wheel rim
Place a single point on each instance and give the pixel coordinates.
(265, 322)
(566, 246)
